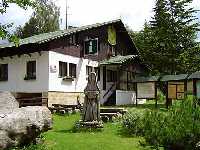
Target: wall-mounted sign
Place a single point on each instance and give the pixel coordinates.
(176, 90)
(53, 69)
(146, 90)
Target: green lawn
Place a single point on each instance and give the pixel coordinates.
(61, 137)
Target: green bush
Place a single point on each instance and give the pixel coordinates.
(178, 128)
(132, 123)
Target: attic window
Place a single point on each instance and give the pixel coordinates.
(91, 46)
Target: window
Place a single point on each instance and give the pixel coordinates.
(62, 69)
(30, 70)
(111, 76)
(91, 46)
(3, 72)
(72, 70)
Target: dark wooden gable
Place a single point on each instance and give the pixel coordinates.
(64, 45)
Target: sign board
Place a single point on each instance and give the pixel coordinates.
(176, 90)
(146, 90)
(53, 69)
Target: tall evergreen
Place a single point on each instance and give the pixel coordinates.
(44, 19)
(168, 42)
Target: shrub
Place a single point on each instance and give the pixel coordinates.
(179, 128)
(132, 123)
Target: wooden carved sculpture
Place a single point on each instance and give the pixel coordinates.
(91, 110)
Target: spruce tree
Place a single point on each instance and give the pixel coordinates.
(171, 45)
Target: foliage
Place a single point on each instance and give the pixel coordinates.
(167, 43)
(4, 33)
(178, 128)
(32, 147)
(132, 123)
(44, 19)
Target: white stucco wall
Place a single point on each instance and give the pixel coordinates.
(17, 72)
(127, 97)
(78, 85)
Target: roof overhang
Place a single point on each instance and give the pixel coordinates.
(118, 60)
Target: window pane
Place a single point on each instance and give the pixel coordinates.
(87, 45)
(72, 70)
(91, 46)
(62, 69)
(94, 46)
(31, 69)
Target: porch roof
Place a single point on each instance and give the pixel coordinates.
(118, 60)
(195, 75)
(146, 79)
(174, 77)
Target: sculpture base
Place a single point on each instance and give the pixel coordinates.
(90, 124)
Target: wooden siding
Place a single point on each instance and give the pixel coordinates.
(124, 44)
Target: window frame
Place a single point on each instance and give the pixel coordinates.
(70, 70)
(91, 39)
(31, 70)
(60, 73)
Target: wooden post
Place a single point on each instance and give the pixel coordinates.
(195, 87)
(185, 88)
(104, 77)
(167, 99)
(136, 103)
(156, 97)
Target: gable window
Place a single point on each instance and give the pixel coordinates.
(3, 72)
(72, 70)
(91, 46)
(30, 70)
(62, 69)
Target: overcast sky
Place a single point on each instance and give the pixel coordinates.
(83, 12)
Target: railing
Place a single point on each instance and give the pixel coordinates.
(33, 101)
(111, 87)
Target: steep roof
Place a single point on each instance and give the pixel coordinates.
(45, 37)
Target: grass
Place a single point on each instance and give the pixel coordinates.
(61, 137)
